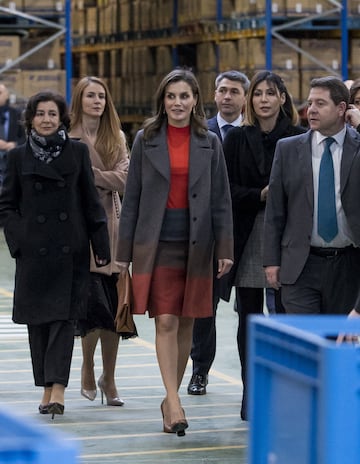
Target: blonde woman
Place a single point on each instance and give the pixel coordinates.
(94, 121)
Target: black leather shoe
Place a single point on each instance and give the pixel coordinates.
(197, 384)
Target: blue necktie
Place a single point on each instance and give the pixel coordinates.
(225, 128)
(327, 220)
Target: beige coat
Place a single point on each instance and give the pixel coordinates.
(111, 186)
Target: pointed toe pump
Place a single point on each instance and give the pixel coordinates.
(110, 401)
(88, 394)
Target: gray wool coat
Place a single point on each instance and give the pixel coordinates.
(144, 204)
(50, 213)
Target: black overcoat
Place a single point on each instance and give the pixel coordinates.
(50, 213)
(248, 175)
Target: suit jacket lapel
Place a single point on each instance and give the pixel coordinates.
(305, 158)
(350, 149)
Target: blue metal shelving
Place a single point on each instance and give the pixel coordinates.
(340, 20)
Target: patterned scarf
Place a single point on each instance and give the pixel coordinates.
(47, 148)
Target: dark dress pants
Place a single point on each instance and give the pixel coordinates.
(248, 301)
(204, 339)
(51, 347)
(327, 285)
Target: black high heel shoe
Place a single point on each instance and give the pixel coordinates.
(55, 408)
(43, 408)
(179, 426)
(116, 401)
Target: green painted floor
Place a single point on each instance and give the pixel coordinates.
(132, 433)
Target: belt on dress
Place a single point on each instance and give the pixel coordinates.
(330, 252)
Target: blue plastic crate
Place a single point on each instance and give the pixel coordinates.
(304, 390)
(25, 442)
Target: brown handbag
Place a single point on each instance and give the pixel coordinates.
(124, 321)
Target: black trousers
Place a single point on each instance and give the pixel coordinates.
(203, 348)
(249, 301)
(327, 285)
(51, 347)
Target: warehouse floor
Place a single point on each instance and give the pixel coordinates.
(132, 433)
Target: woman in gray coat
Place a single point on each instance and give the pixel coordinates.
(51, 210)
(176, 219)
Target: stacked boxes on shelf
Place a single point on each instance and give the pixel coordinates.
(327, 51)
(39, 70)
(136, 64)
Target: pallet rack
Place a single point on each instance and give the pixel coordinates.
(332, 22)
(79, 51)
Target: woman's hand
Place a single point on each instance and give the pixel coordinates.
(124, 266)
(273, 276)
(224, 266)
(101, 262)
(352, 116)
(264, 193)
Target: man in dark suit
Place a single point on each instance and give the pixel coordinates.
(230, 93)
(312, 219)
(11, 130)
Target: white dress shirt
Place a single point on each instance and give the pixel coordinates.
(221, 123)
(343, 238)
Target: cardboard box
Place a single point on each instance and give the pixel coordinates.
(47, 57)
(9, 48)
(78, 22)
(91, 16)
(124, 16)
(354, 7)
(355, 53)
(31, 6)
(326, 51)
(163, 59)
(207, 86)
(38, 81)
(228, 55)
(283, 56)
(296, 7)
(206, 56)
(292, 83)
(306, 77)
(13, 81)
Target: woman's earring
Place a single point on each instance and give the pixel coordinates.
(194, 110)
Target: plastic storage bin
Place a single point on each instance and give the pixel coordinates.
(304, 390)
(25, 442)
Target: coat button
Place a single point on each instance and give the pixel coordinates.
(41, 219)
(193, 242)
(63, 216)
(194, 218)
(38, 186)
(43, 251)
(194, 195)
(65, 249)
(61, 183)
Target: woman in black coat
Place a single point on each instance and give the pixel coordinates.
(249, 150)
(51, 210)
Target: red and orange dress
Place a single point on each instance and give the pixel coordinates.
(169, 276)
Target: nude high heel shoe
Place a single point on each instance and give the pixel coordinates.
(177, 427)
(116, 401)
(88, 394)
